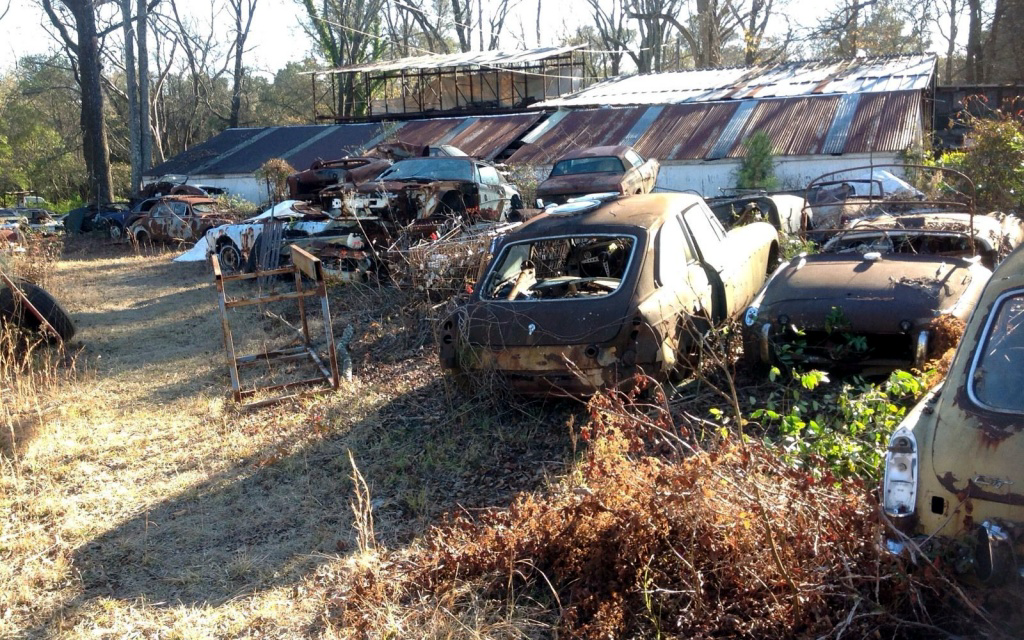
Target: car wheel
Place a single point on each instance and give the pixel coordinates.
(115, 231)
(142, 237)
(45, 304)
(230, 257)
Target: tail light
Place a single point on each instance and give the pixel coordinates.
(899, 484)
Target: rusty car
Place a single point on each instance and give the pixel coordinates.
(952, 472)
(869, 302)
(178, 218)
(348, 171)
(991, 237)
(782, 210)
(340, 242)
(588, 294)
(427, 191)
(618, 169)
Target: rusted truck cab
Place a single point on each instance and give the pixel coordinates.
(953, 469)
(588, 294)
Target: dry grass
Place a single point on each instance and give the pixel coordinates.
(143, 502)
(138, 501)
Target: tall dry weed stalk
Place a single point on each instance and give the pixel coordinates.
(362, 509)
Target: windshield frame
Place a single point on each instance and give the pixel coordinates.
(628, 271)
(432, 168)
(982, 346)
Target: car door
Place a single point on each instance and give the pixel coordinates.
(646, 170)
(723, 269)
(494, 202)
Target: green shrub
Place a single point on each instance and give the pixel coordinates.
(757, 170)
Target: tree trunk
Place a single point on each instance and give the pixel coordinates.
(145, 121)
(94, 129)
(975, 57)
(132, 93)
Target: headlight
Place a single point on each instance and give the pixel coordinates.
(750, 317)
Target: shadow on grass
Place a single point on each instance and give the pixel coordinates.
(281, 512)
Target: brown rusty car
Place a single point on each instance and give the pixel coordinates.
(588, 294)
(179, 219)
(611, 169)
(869, 302)
(953, 469)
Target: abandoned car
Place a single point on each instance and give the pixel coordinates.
(614, 169)
(590, 293)
(833, 199)
(350, 171)
(782, 210)
(428, 190)
(340, 242)
(178, 219)
(952, 471)
(869, 302)
(991, 237)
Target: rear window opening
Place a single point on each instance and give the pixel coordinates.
(560, 268)
(596, 164)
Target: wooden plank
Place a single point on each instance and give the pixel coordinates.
(307, 263)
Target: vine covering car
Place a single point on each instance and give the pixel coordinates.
(588, 294)
(952, 471)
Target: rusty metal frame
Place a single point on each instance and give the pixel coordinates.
(303, 263)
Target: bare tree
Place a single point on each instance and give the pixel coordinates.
(83, 51)
(242, 12)
(615, 37)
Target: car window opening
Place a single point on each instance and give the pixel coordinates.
(999, 374)
(556, 268)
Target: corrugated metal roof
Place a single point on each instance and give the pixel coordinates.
(732, 130)
(423, 132)
(487, 137)
(470, 59)
(795, 126)
(835, 140)
(579, 129)
(276, 142)
(685, 131)
(885, 122)
(337, 141)
(188, 160)
(860, 75)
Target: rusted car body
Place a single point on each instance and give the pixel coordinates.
(782, 210)
(614, 169)
(860, 309)
(428, 190)
(833, 199)
(178, 219)
(991, 237)
(349, 171)
(953, 469)
(586, 295)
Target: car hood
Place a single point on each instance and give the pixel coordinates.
(580, 183)
(874, 295)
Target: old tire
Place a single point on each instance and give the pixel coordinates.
(115, 231)
(11, 309)
(229, 256)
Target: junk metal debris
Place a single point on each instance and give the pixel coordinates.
(303, 264)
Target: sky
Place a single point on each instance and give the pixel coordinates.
(276, 37)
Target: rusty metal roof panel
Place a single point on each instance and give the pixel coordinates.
(486, 137)
(336, 141)
(814, 77)
(204, 153)
(795, 126)
(423, 132)
(685, 131)
(885, 122)
(469, 59)
(579, 129)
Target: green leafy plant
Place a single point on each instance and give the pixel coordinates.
(844, 429)
(757, 170)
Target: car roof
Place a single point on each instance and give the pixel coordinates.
(645, 211)
(1008, 275)
(608, 150)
